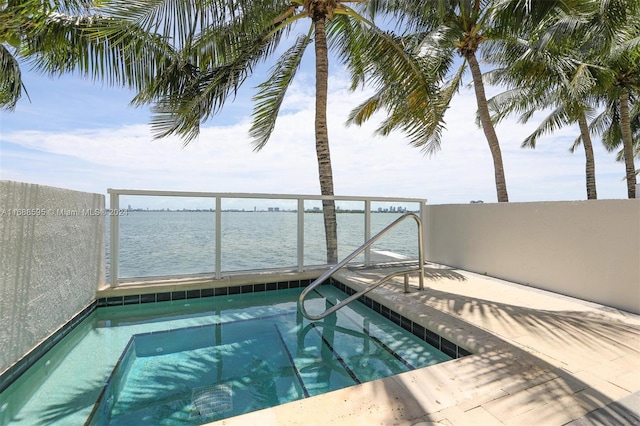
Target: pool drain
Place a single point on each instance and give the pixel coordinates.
(210, 401)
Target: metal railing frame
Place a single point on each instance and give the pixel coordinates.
(114, 200)
(335, 268)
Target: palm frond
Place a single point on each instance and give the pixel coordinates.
(577, 142)
(510, 101)
(406, 80)
(525, 17)
(376, 56)
(554, 121)
(19, 20)
(118, 53)
(412, 16)
(601, 122)
(365, 110)
(195, 95)
(271, 93)
(428, 134)
(11, 86)
(178, 21)
(612, 137)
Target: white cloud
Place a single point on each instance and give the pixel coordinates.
(222, 158)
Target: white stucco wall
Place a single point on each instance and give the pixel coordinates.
(585, 249)
(51, 261)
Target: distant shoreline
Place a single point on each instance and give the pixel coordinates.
(254, 211)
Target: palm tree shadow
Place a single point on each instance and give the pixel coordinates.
(538, 345)
(443, 274)
(560, 335)
(80, 399)
(584, 329)
(430, 272)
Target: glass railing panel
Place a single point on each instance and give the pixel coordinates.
(164, 236)
(401, 242)
(258, 234)
(172, 233)
(315, 247)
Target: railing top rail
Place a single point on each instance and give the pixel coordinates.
(196, 194)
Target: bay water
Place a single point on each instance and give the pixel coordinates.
(160, 243)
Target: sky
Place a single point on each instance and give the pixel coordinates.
(78, 134)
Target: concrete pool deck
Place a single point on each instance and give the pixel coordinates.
(539, 358)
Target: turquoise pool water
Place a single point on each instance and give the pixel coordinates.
(195, 361)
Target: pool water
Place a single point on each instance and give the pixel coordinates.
(192, 362)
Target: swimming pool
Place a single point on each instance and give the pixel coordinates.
(193, 361)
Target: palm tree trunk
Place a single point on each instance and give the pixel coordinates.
(627, 143)
(322, 140)
(487, 127)
(590, 168)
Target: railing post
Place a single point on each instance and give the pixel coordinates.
(421, 242)
(218, 272)
(300, 234)
(114, 237)
(367, 231)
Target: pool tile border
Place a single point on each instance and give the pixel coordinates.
(28, 360)
(167, 296)
(434, 339)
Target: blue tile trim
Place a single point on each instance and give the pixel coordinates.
(435, 340)
(206, 292)
(193, 294)
(222, 291)
(337, 356)
(305, 391)
(28, 360)
(163, 297)
(132, 300)
(148, 298)
(428, 336)
(198, 294)
(178, 295)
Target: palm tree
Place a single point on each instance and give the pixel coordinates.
(610, 124)
(622, 98)
(575, 75)
(19, 21)
(542, 76)
(439, 30)
(10, 75)
(607, 124)
(187, 59)
(611, 41)
(565, 112)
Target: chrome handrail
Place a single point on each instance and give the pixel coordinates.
(349, 258)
